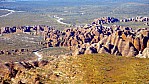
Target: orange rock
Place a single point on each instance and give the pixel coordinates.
(74, 42)
(137, 44)
(130, 38)
(124, 36)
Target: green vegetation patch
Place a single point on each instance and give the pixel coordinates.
(111, 69)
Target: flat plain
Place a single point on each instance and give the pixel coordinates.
(74, 12)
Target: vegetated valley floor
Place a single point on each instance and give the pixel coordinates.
(75, 13)
(11, 42)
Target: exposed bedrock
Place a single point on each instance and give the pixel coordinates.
(93, 38)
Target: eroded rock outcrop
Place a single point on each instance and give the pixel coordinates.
(117, 40)
(13, 69)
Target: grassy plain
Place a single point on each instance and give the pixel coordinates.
(24, 18)
(19, 41)
(75, 13)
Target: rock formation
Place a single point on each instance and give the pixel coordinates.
(117, 40)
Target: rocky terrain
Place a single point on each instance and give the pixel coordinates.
(87, 39)
(93, 38)
(96, 38)
(107, 20)
(84, 69)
